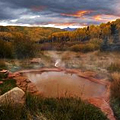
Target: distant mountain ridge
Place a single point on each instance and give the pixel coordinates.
(70, 29)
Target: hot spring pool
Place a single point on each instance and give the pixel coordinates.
(62, 84)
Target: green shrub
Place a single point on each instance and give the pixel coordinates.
(24, 47)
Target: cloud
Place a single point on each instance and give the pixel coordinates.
(38, 8)
(59, 12)
(78, 13)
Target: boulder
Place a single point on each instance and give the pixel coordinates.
(14, 96)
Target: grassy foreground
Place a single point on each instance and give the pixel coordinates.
(38, 108)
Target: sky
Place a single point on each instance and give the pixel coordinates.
(58, 13)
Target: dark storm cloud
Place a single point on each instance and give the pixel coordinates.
(62, 11)
(3, 12)
(64, 6)
(10, 11)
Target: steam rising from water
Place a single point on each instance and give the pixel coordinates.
(58, 63)
(57, 58)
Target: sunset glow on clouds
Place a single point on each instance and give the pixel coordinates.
(58, 13)
(77, 14)
(106, 18)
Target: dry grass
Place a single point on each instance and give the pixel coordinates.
(114, 67)
(115, 86)
(115, 94)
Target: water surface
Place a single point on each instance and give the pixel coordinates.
(61, 84)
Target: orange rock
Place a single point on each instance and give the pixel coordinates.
(1, 82)
(104, 106)
(11, 75)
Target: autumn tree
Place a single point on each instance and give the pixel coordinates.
(23, 46)
(6, 49)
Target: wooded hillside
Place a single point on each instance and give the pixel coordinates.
(20, 42)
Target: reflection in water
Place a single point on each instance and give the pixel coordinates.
(61, 84)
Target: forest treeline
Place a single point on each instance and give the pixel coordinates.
(105, 36)
(8, 33)
(20, 42)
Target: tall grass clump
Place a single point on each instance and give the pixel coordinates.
(115, 85)
(115, 93)
(114, 67)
